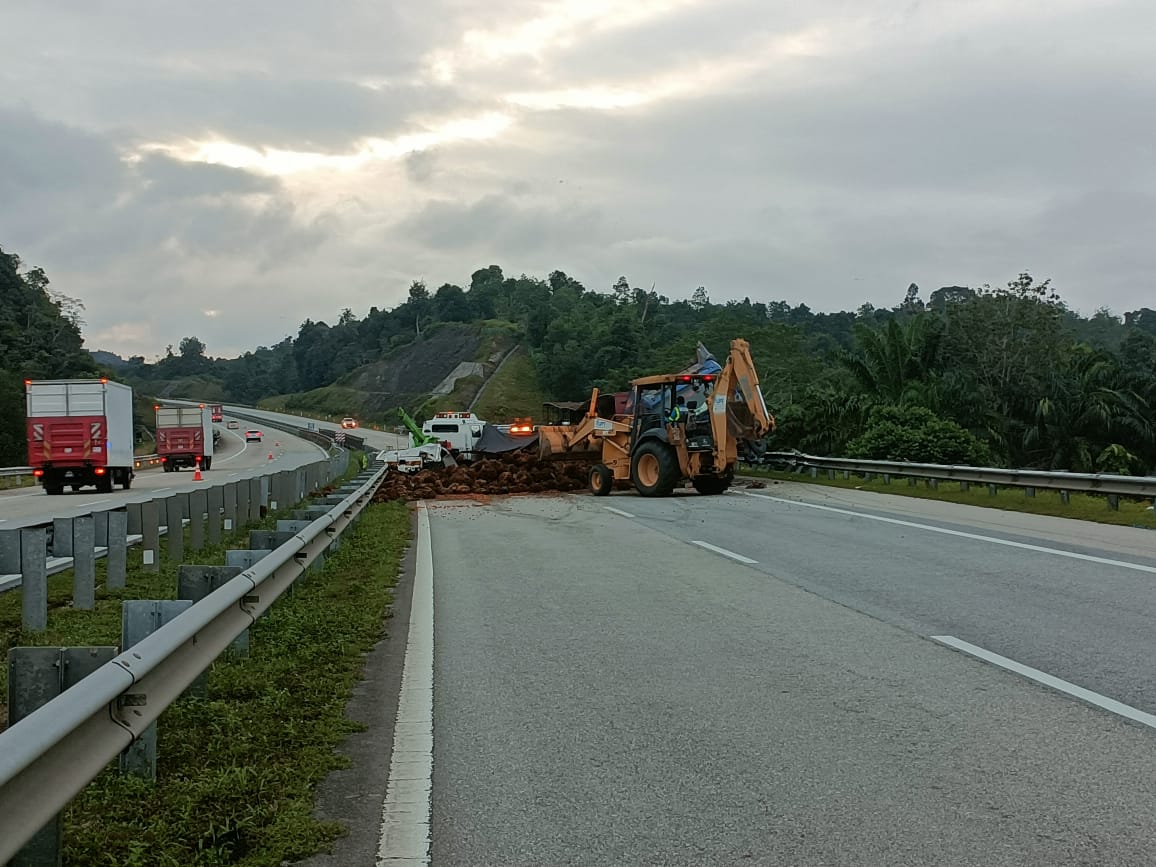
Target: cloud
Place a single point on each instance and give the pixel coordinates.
(277, 161)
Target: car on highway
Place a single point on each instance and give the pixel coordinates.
(233, 425)
(348, 422)
(252, 436)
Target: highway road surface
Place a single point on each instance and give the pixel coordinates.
(378, 439)
(235, 459)
(794, 675)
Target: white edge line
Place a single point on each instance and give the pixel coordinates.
(739, 557)
(1088, 558)
(405, 812)
(618, 511)
(1042, 677)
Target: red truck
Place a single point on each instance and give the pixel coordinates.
(218, 412)
(80, 432)
(184, 437)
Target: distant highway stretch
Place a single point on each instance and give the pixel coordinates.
(234, 459)
(378, 439)
(791, 675)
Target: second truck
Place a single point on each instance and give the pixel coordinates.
(184, 437)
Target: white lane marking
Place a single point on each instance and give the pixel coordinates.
(618, 511)
(161, 490)
(1088, 558)
(1101, 701)
(725, 552)
(405, 814)
(244, 446)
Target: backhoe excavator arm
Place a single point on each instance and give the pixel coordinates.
(737, 396)
(419, 438)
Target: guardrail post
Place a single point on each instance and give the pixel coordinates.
(100, 529)
(34, 578)
(10, 552)
(198, 503)
(912, 481)
(36, 675)
(135, 519)
(1114, 502)
(243, 490)
(117, 558)
(174, 517)
(229, 504)
(214, 501)
(139, 619)
(150, 544)
(1065, 497)
(255, 500)
(194, 583)
(992, 490)
(245, 558)
(933, 484)
(965, 486)
(84, 563)
(62, 537)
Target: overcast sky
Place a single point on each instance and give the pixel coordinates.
(227, 169)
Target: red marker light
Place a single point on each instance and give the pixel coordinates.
(100, 471)
(38, 473)
(708, 378)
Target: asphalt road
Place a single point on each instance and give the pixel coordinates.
(234, 459)
(605, 691)
(378, 439)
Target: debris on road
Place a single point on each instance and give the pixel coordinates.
(515, 473)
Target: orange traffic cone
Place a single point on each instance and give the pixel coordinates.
(270, 456)
(197, 471)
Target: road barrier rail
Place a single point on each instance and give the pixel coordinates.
(1094, 483)
(49, 756)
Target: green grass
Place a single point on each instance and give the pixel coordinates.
(237, 771)
(1085, 507)
(8, 482)
(514, 392)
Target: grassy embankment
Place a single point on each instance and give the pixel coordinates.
(237, 770)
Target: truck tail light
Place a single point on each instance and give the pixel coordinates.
(100, 471)
(38, 473)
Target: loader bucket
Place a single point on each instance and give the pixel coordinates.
(555, 444)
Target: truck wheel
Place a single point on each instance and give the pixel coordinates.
(601, 480)
(712, 485)
(75, 488)
(53, 490)
(207, 464)
(654, 469)
(126, 480)
(104, 484)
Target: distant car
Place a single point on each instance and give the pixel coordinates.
(348, 422)
(252, 436)
(233, 425)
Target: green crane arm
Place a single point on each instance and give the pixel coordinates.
(419, 438)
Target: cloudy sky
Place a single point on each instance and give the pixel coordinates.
(227, 169)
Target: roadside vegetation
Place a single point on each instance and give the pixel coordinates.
(237, 770)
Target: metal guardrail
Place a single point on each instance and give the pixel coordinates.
(1096, 483)
(48, 757)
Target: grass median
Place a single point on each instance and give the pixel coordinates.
(1084, 507)
(237, 771)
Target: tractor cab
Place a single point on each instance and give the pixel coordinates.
(653, 403)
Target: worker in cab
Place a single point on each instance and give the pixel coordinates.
(677, 412)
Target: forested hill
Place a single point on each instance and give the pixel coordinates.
(39, 339)
(1006, 375)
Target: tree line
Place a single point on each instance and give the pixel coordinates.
(1007, 375)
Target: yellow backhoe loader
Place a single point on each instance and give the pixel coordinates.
(678, 426)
